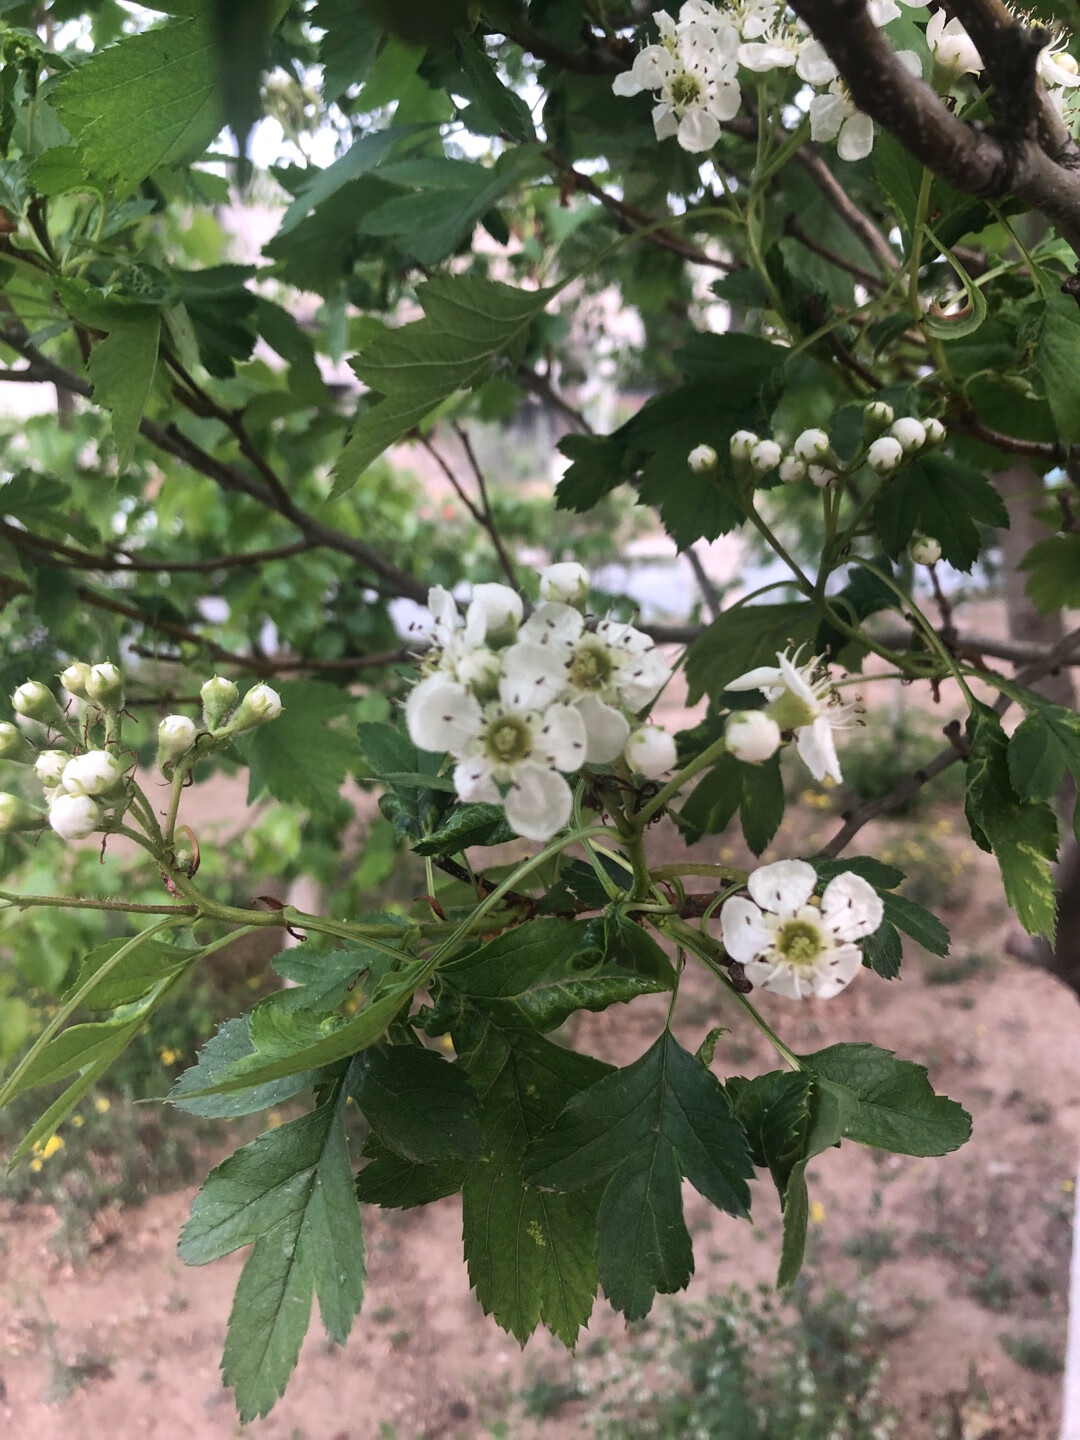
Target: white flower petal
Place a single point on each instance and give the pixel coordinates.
(851, 907)
(561, 737)
(554, 623)
(779, 978)
(725, 101)
(817, 749)
(698, 131)
(442, 715)
(538, 802)
(651, 752)
(534, 676)
(836, 970)
(665, 121)
(606, 729)
(856, 139)
(444, 614)
(474, 783)
(641, 679)
(742, 929)
(764, 677)
(625, 85)
(783, 887)
(814, 65)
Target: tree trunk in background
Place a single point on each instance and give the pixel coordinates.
(1022, 490)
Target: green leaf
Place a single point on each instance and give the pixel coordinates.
(742, 639)
(290, 1192)
(366, 153)
(134, 976)
(467, 825)
(395, 1183)
(892, 1103)
(1056, 357)
(883, 951)
(467, 323)
(956, 327)
(30, 497)
(915, 920)
(148, 101)
(417, 1103)
(509, 111)
(232, 1042)
(1022, 834)
(943, 498)
(1044, 745)
(414, 802)
(639, 1129)
(300, 757)
(762, 807)
(59, 170)
(1054, 573)
(348, 48)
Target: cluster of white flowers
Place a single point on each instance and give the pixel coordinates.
(84, 785)
(802, 703)
(693, 72)
(790, 943)
(521, 703)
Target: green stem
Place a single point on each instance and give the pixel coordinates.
(71, 902)
(708, 756)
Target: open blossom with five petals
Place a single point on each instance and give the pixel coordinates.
(791, 946)
(693, 75)
(804, 700)
(833, 116)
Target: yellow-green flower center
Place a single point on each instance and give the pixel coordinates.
(508, 740)
(591, 667)
(799, 942)
(685, 89)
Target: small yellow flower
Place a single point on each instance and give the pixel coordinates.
(817, 1211)
(101, 1105)
(274, 1119)
(1068, 1186)
(46, 1149)
(77, 1122)
(35, 1165)
(168, 1055)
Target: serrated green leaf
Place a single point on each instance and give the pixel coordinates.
(883, 951)
(742, 639)
(915, 920)
(30, 497)
(892, 1103)
(762, 806)
(134, 976)
(417, 1103)
(940, 497)
(467, 825)
(1053, 567)
(232, 1042)
(1043, 747)
(1056, 356)
(301, 757)
(394, 1183)
(508, 110)
(348, 48)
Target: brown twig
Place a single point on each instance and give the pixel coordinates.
(487, 515)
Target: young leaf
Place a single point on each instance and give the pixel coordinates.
(467, 825)
(639, 1129)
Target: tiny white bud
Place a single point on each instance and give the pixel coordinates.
(765, 456)
(702, 459)
(105, 686)
(792, 469)
(821, 475)
(480, 670)
(935, 431)
(220, 698)
(650, 751)
(879, 415)
(493, 616)
(16, 814)
(909, 432)
(176, 736)
(260, 704)
(751, 736)
(885, 455)
(49, 767)
(74, 817)
(924, 550)
(566, 583)
(812, 445)
(742, 442)
(92, 773)
(36, 702)
(13, 744)
(74, 678)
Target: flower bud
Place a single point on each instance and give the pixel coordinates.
(220, 698)
(742, 442)
(885, 455)
(105, 686)
(566, 583)
(493, 616)
(13, 744)
(821, 475)
(792, 469)
(36, 702)
(49, 767)
(16, 814)
(751, 736)
(924, 550)
(878, 416)
(909, 432)
(702, 459)
(935, 431)
(176, 736)
(74, 678)
(812, 445)
(650, 751)
(480, 670)
(260, 704)
(92, 773)
(765, 456)
(74, 817)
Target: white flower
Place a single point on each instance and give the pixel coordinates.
(811, 445)
(693, 75)
(493, 616)
(879, 414)
(567, 582)
(885, 455)
(804, 700)
(650, 751)
(792, 470)
(1057, 69)
(742, 444)
(752, 736)
(702, 459)
(16, 814)
(36, 702)
(92, 773)
(525, 753)
(821, 475)
(105, 684)
(909, 432)
(441, 714)
(814, 65)
(49, 767)
(74, 817)
(935, 431)
(924, 550)
(176, 736)
(951, 46)
(74, 678)
(787, 945)
(480, 670)
(777, 49)
(765, 456)
(833, 116)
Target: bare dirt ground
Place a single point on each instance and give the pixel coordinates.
(953, 1254)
